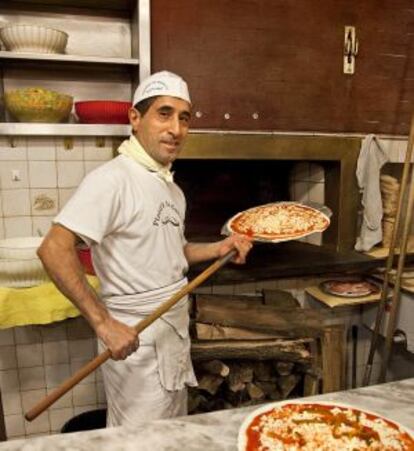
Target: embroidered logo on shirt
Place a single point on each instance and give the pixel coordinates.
(167, 214)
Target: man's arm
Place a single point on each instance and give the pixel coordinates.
(199, 252)
(59, 257)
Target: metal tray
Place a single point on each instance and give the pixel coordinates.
(327, 212)
(324, 286)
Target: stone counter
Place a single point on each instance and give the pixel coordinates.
(216, 431)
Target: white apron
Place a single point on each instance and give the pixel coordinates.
(151, 383)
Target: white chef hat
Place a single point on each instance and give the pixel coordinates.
(162, 84)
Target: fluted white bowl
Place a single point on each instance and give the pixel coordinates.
(20, 248)
(22, 273)
(33, 38)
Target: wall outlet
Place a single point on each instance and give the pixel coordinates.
(16, 175)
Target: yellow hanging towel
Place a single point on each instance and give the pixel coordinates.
(42, 304)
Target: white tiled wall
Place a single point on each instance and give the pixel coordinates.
(34, 360)
(307, 184)
(37, 177)
(395, 149)
(39, 174)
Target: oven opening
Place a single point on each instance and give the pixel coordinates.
(217, 189)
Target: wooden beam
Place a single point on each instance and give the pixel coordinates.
(288, 350)
(245, 314)
(333, 350)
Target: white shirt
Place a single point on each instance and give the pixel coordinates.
(134, 224)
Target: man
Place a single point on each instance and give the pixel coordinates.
(131, 214)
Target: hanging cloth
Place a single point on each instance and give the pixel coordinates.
(372, 157)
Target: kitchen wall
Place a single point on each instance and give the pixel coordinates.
(34, 359)
(38, 175)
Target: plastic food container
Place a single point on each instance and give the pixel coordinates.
(102, 112)
(33, 38)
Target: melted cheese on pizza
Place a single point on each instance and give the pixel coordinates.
(311, 427)
(282, 220)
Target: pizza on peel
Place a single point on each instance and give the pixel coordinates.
(279, 221)
(323, 426)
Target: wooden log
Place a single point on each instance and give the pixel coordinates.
(195, 400)
(241, 313)
(310, 385)
(287, 383)
(254, 391)
(237, 398)
(240, 374)
(235, 385)
(246, 371)
(288, 350)
(333, 359)
(283, 368)
(217, 332)
(263, 371)
(210, 383)
(215, 367)
(280, 299)
(270, 389)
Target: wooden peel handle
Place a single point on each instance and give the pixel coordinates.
(52, 397)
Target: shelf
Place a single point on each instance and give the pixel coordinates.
(381, 253)
(116, 5)
(337, 301)
(49, 57)
(25, 129)
(290, 259)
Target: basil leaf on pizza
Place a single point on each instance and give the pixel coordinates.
(279, 221)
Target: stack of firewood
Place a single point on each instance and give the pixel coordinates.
(390, 188)
(233, 383)
(252, 349)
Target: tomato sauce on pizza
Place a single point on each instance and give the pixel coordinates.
(311, 427)
(279, 221)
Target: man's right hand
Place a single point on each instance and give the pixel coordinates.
(120, 339)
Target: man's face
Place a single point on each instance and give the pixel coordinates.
(162, 129)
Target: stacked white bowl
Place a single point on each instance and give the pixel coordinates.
(20, 266)
(33, 38)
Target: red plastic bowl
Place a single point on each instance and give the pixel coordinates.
(102, 112)
(85, 258)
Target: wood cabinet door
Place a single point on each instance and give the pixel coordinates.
(278, 65)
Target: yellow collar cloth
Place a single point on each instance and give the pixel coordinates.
(132, 148)
(42, 304)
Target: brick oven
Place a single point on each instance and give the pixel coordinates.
(233, 170)
(225, 172)
(262, 347)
